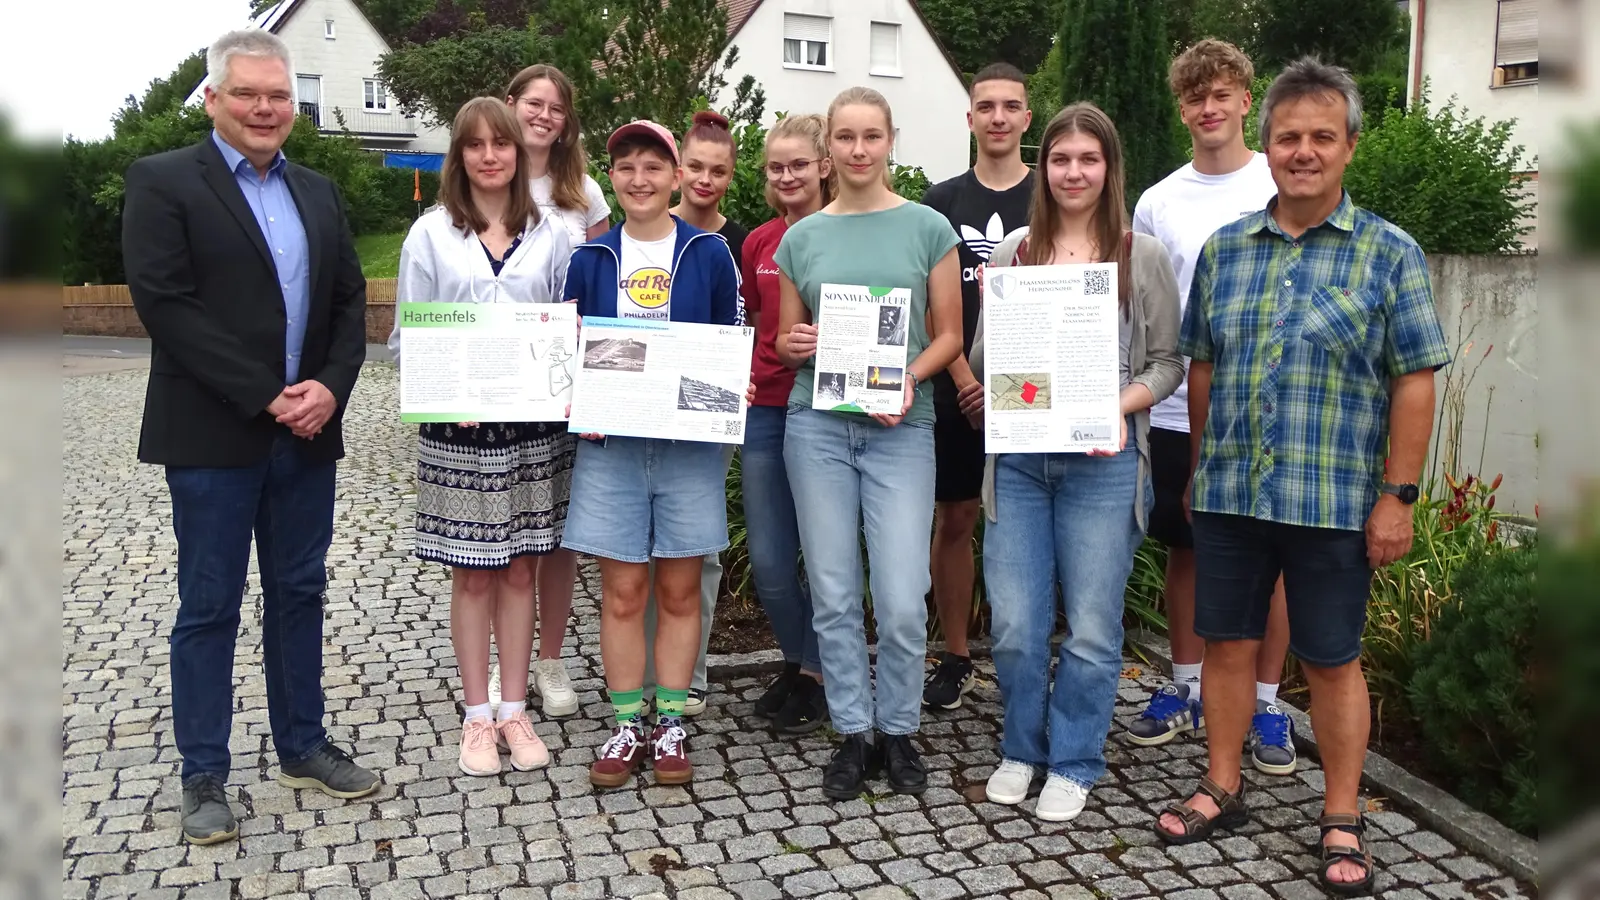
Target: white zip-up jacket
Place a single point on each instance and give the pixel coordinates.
(440, 263)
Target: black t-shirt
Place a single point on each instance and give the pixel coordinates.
(982, 219)
(735, 234)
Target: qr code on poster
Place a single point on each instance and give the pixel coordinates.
(1097, 283)
(858, 379)
(733, 428)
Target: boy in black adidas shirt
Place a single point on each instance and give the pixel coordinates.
(984, 204)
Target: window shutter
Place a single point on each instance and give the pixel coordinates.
(805, 28)
(1518, 39)
(885, 47)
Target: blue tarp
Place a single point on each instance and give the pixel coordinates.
(427, 162)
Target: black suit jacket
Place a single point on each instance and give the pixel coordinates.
(207, 292)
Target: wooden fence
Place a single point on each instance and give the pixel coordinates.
(107, 310)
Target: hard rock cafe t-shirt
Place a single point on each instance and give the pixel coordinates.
(645, 281)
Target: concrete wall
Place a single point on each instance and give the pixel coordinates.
(928, 99)
(1489, 307)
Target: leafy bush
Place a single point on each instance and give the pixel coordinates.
(1472, 691)
(1580, 209)
(1380, 91)
(1453, 183)
(1569, 631)
(377, 199)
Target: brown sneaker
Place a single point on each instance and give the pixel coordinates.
(671, 761)
(620, 755)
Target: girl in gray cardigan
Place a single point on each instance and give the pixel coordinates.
(1076, 519)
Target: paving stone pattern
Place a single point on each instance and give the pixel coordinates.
(753, 825)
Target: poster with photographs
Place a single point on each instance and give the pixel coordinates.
(652, 378)
(486, 362)
(1050, 359)
(861, 348)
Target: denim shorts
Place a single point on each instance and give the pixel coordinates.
(634, 498)
(1326, 580)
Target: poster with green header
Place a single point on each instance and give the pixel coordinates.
(861, 349)
(486, 362)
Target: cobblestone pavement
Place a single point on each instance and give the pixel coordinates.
(753, 825)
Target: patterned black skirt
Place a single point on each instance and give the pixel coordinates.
(493, 492)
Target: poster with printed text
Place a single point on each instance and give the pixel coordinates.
(486, 362)
(861, 348)
(1051, 359)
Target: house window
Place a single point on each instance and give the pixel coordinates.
(1516, 43)
(373, 95)
(327, 29)
(805, 41)
(885, 50)
(308, 90)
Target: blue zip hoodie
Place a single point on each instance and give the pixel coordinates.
(705, 281)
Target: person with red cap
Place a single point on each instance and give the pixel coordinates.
(635, 500)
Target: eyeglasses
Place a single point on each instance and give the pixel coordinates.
(539, 107)
(276, 100)
(797, 168)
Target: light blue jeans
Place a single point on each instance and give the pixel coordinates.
(1068, 518)
(850, 474)
(773, 536)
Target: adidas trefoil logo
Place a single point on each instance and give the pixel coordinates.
(983, 242)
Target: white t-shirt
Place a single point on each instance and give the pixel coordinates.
(1182, 211)
(645, 289)
(578, 222)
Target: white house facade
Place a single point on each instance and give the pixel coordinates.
(335, 52)
(1484, 54)
(804, 52)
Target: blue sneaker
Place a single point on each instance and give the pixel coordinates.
(1272, 740)
(1169, 714)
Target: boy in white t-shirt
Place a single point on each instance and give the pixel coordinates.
(1226, 180)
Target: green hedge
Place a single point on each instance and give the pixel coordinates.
(1471, 690)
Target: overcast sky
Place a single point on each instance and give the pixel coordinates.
(117, 48)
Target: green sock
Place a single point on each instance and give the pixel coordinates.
(626, 704)
(669, 702)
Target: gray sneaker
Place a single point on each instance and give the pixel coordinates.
(331, 771)
(1272, 740)
(206, 816)
(1169, 713)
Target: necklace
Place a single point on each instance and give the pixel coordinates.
(1074, 251)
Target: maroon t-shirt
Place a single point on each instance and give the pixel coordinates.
(760, 289)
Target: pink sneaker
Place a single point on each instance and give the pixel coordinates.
(479, 753)
(527, 751)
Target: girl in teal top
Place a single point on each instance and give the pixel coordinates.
(846, 468)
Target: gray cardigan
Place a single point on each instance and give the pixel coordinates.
(1152, 349)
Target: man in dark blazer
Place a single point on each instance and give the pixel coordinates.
(243, 271)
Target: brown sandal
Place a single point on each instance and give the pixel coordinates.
(1196, 827)
(1360, 853)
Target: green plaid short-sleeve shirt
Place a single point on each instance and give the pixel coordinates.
(1305, 336)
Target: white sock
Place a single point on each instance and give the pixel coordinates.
(480, 711)
(510, 709)
(1189, 675)
(1267, 693)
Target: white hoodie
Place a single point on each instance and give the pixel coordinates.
(440, 263)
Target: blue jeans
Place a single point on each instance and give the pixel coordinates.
(852, 472)
(1065, 517)
(287, 504)
(773, 536)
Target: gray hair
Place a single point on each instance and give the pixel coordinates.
(256, 42)
(1311, 77)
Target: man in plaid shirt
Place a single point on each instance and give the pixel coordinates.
(1314, 342)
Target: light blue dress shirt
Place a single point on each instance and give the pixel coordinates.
(285, 233)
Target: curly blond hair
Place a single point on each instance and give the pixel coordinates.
(1205, 62)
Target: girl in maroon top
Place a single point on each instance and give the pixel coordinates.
(799, 182)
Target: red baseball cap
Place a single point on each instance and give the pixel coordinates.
(646, 129)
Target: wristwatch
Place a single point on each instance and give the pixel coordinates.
(914, 382)
(1407, 493)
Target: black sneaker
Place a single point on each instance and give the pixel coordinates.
(778, 692)
(853, 763)
(903, 763)
(806, 710)
(331, 771)
(951, 678)
(206, 816)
